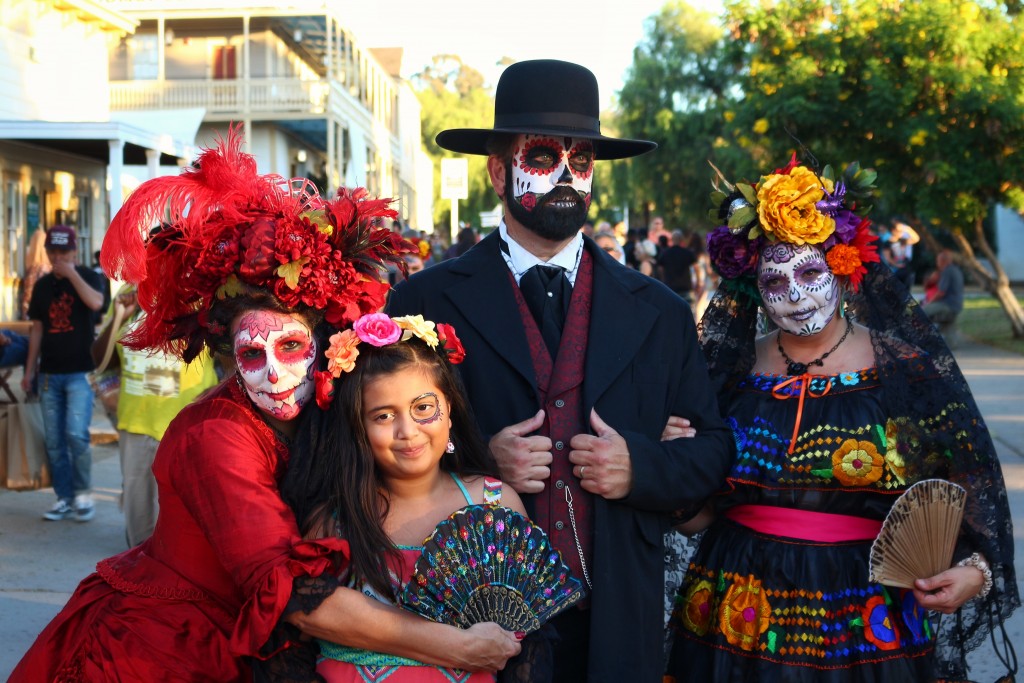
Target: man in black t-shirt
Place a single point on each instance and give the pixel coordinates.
(674, 266)
(62, 310)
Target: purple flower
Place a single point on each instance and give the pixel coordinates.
(732, 255)
(846, 226)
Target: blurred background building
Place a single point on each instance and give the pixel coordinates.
(98, 95)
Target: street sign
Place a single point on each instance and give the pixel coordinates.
(454, 179)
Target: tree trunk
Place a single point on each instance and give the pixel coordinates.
(995, 283)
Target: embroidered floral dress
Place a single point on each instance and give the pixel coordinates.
(761, 607)
(340, 664)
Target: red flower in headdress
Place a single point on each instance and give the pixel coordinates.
(230, 227)
(324, 382)
(451, 343)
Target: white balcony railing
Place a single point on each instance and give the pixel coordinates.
(270, 96)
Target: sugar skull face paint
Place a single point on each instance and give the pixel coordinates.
(549, 183)
(275, 352)
(799, 291)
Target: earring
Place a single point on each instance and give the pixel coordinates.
(842, 306)
(450, 448)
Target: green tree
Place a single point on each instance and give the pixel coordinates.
(452, 94)
(682, 79)
(928, 92)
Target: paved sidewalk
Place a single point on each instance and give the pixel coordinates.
(41, 562)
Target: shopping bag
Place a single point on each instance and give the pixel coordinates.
(26, 447)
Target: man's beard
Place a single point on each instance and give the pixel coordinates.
(551, 222)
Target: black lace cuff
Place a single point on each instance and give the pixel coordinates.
(308, 592)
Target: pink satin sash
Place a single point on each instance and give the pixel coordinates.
(819, 527)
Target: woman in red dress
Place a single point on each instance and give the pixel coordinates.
(254, 267)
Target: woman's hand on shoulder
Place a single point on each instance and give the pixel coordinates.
(947, 591)
(487, 647)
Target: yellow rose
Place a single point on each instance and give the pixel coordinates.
(786, 207)
(424, 329)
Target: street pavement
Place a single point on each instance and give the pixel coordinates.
(41, 562)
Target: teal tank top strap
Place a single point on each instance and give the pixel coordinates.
(492, 490)
(462, 487)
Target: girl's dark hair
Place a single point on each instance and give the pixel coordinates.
(333, 481)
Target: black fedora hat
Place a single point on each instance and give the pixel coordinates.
(545, 97)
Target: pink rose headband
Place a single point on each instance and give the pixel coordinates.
(379, 329)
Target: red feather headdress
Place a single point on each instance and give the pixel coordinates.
(225, 229)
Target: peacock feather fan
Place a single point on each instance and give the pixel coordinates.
(487, 563)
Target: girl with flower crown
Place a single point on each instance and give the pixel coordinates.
(851, 398)
(396, 451)
(253, 267)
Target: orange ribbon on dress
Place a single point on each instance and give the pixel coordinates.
(804, 384)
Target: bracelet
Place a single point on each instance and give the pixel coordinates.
(978, 562)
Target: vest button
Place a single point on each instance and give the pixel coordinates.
(559, 484)
(559, 525)
(559, 445)
(559, 403)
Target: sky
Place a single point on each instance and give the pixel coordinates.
(599, 34)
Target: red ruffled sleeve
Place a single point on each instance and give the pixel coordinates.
(224, 469)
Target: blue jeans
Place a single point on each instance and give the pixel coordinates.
(67, 411)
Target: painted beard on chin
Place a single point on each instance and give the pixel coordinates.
(557, 216)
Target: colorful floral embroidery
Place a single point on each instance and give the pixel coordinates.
(857, 463)
(698, 607)
(893, 459)
(879, 627)
(915, 618)
(744, 613)
(847, 625)
(850, 379)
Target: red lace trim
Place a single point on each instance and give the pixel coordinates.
(109, 574)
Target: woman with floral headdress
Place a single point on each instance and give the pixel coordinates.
(255, 267)
(851, 398)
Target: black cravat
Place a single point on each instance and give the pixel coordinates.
(547, 292)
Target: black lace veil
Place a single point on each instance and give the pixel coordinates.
(941, 432)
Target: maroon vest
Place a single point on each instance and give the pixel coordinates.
(560, 390)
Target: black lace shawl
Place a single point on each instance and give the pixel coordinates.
(944, 433)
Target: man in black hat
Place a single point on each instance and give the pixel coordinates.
(62, 310)
(574, 363)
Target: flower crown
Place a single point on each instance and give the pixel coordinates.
(232, 230)
(794, 205)
(379, 329)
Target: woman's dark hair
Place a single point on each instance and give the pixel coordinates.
(333, 481)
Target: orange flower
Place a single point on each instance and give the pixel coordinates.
(342, 353)
(696, 613)
(843, 259)
(744, 613)
(857, 463)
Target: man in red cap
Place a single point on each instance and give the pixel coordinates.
(574, 363)
(63, 314)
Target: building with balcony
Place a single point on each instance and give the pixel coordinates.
(311, 100)
(63, 156)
